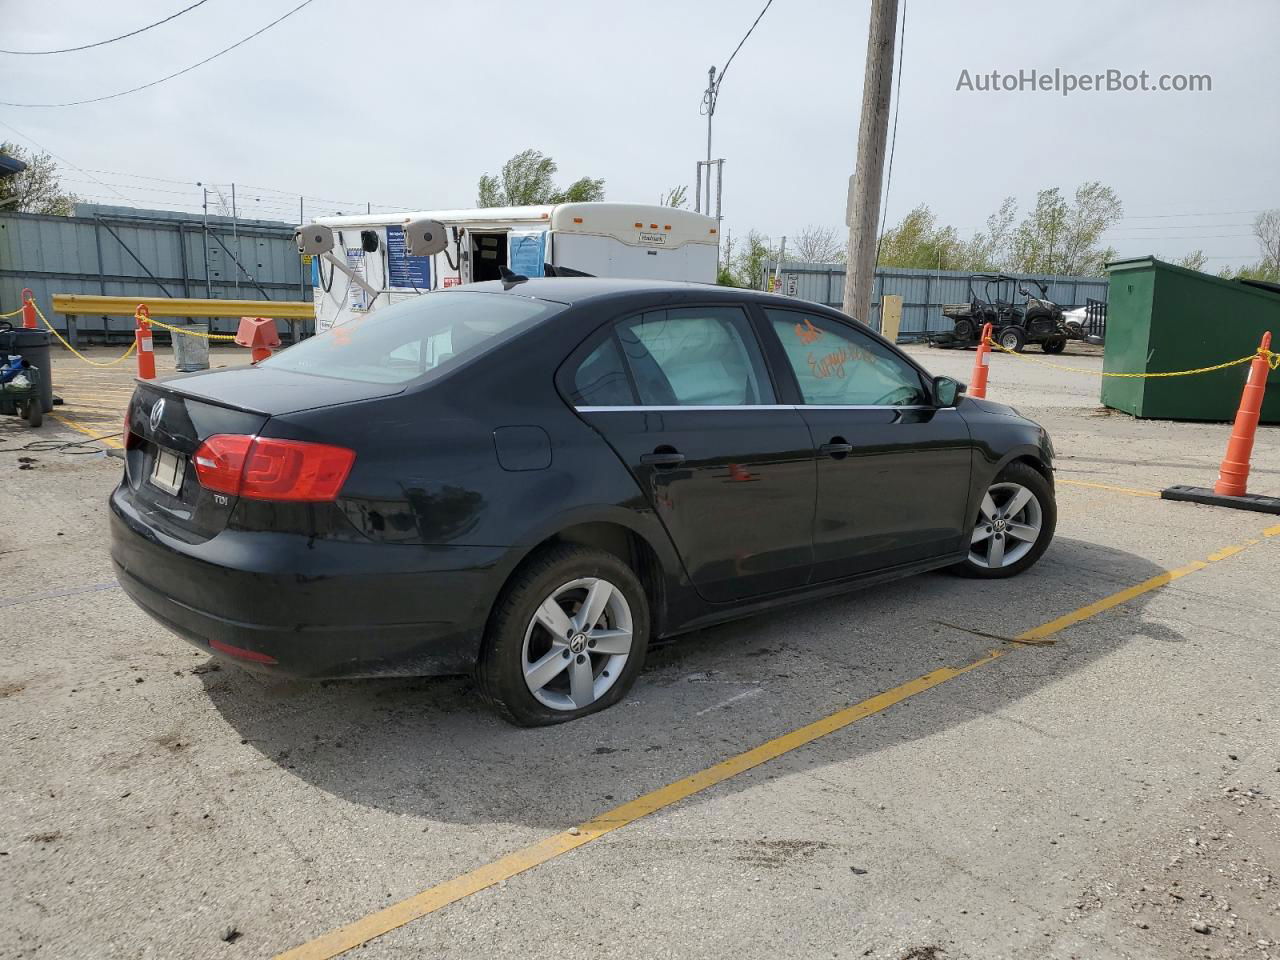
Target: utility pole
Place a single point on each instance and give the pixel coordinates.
(235, 235)
(862, 212)
(208, 288)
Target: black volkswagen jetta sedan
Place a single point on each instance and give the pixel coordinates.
(535, 480)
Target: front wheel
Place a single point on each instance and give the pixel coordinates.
(1012, 339)
(1014, 526)
(567, 638)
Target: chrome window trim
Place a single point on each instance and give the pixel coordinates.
(757, 406)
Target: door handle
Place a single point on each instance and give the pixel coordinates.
(837, 449)
(662, 458)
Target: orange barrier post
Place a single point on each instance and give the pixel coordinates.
(1233, 475)
(258, 334)
(28, 309)
(142, 337)
(978, 382)
(1231, 490)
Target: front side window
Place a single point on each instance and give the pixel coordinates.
(694, 356)
(837, 366)
(413, 339)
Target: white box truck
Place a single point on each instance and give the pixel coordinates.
(360, 263)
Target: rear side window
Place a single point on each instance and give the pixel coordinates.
(836, 365)
(414, 339)
(694, 356)
(600, 380)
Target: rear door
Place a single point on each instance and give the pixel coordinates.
(685, 399)
(893, 470)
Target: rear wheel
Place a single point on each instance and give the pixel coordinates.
(1054, 345)
(1014, 526)
(567, 638)
(1012, 339)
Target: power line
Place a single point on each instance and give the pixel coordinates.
(103, 43)
(40, 146)
(1212, 213)
(122, 93)
(709, 98)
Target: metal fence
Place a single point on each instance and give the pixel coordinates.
(923, 292)
(147, 254)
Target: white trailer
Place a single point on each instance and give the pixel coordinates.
(361, 263)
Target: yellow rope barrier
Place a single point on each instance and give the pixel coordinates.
(1272, 358)
(190, 333)
(11, 313)
(92, 363)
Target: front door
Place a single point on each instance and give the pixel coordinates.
(684, 398)
(893, 469)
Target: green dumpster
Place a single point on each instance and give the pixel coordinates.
(1161, 318)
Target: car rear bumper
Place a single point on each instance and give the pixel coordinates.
(285, 605)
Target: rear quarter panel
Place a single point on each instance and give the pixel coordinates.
(428, 472)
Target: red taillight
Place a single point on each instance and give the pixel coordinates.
(263, 468)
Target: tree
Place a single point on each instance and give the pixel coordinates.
(677, 197)
(818, 245)
(1267, 230)
(1195, 260)
(527, 179)
(1060, 237)
(36, 189)
(744, 266)
(987, 251)
(919, 241)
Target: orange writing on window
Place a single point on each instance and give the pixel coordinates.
(807, 332)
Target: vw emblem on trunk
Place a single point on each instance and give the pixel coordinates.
(157, 412)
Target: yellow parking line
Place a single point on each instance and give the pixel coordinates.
(434, 898)
(81, 428)
(1106, 486)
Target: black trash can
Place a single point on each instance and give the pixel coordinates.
(33, 345)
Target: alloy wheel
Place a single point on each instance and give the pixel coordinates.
(577, 644)
(1009, 522)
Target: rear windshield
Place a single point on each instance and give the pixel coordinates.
(416, 338)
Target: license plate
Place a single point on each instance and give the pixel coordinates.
(168, 470)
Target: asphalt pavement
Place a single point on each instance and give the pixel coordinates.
(1108, 790)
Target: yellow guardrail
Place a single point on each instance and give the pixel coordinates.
(92, 305)
(1272, 358)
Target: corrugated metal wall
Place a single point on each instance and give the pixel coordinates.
(923, 292)
(147, 254)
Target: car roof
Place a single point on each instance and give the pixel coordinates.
(579, 290)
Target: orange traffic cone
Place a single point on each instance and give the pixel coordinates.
(1233, 476)
(978, 381)
(28, 309)
(142, 336)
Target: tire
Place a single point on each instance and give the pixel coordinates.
(964, 330)
(1039, 511)
(519, 637)
(1012, 339)
(1054, 345)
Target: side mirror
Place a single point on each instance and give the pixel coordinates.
(946, 391)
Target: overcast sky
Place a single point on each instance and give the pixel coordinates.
(408, 103)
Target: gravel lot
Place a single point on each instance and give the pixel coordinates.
(1114, 792)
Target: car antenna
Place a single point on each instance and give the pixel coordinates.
(510, 278)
